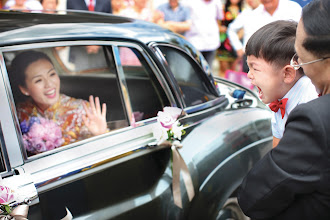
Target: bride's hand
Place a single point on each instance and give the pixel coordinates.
(95, 119)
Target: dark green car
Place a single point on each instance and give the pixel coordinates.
(139, 69)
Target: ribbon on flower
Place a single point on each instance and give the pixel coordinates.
(19, 213)
(179, 166)
(68, 215)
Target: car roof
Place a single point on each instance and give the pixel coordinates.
(21, 27)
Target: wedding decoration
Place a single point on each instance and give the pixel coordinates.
(9, 208)
(40, 135)
(6, 197)
(168, 132)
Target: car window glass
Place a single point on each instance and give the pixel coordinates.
(83, 59)
(146, 95)
(66, 116)
(193, 86)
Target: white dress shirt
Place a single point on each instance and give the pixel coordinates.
(252, 20)
(204, 31)
(88, 2)
(303, 91)
(30, 4)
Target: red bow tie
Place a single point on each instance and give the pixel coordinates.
(274, 106)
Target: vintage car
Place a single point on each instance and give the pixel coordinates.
(138, 69)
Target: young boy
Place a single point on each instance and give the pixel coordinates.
(269, 51)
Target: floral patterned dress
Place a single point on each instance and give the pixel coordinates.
(226, 52)
(66, 113)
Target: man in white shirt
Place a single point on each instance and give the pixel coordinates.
(204, 31)
(251, 20)
(30, 4)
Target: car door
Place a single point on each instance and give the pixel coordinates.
(111, 176)
(219, 131)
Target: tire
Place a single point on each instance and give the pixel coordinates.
(231, 211)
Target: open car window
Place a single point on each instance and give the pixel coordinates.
(79, 74)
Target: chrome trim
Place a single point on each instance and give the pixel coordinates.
(7, 115)
(4, 153)
(123, 85)
(74, 163)
(206, 105)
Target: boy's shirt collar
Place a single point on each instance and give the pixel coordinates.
(295, 93)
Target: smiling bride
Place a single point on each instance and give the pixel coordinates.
(38, 80)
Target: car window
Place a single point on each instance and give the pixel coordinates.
(146, 95)
(79, 73)
(193, 85)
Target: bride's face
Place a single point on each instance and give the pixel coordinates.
(42, 83)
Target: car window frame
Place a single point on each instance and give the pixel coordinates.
(4, 156)
(114, 45)
(40, 164)
(188, 109)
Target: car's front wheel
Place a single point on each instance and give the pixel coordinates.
(231, 211)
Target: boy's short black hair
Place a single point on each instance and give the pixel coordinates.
(273, 42)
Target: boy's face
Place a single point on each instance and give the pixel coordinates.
(267, 78)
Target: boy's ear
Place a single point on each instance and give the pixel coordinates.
(290, 74)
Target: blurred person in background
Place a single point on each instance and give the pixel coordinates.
(251, 20)
(252, 4)
(142, 9)
(117, 6)
(175, 16)
(49, 6)
(90, 5)
(28, 5)
(19, 5)
(206, 16)
(226, 53)
(85, 56)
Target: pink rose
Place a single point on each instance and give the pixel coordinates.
(168, 116)
(43, 135)
(6, 195)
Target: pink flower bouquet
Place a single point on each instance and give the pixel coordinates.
(6, 195)
(168, 128)
(42, 135)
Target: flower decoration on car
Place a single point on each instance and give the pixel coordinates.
(168, 127)
(40, 135)
(9, 207)
(168, 132)
(7, 196)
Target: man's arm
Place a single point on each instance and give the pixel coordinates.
(233, 29)
(178, 27)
